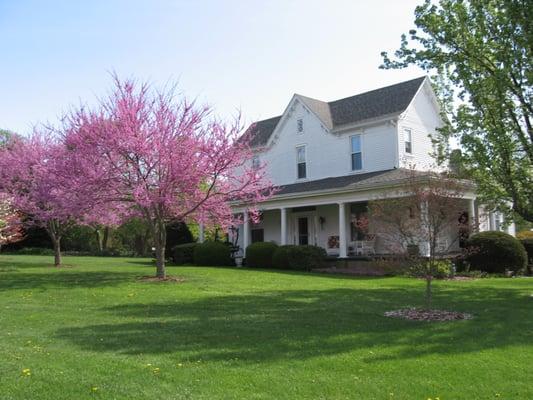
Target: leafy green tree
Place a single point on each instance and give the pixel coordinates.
(480, 56)
(5, 135)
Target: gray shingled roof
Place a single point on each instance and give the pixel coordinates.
(388, 100)
(348, 182)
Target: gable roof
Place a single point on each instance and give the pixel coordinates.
(389, 100)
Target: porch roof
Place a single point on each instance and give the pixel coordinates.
(348, 182)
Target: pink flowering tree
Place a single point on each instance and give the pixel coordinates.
(44, 183)
(164, 159)
(10, 222)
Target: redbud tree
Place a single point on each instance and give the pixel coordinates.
(164, 159)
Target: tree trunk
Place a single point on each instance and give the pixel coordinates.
(160, 241)
(429, 294)
(53, 229)
(105, 240)
(56, 240)
(99, 240)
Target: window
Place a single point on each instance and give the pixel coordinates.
(300, 125)
(407, 138)
(301, 163)
(256, 163)
(357, 155)
(258, 235)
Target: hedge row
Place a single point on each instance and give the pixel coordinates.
(258, 255)
(207, 253)
(270, 255)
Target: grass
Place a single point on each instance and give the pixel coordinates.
(93, 331)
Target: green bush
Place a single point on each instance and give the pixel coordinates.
(183, 253)
(212, 254)
(298, 257)
(495, 252)
(528, 245)
(441, 269)
(259, 255)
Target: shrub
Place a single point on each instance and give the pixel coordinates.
(183, 253)
(495, 252)
(259, 255)
(177, 233)
(212, 254)
(528, 245)
(298, 257)
(441, 269)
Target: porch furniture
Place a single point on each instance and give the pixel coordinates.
(364, 247)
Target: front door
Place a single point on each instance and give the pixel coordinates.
(303, 230)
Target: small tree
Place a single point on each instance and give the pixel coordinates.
(163, 159)
(45, 184)
(420, 215)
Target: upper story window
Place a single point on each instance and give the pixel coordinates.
(357, 153)
(408, 140)
(256, 162)
(301, 162)
(300, 125)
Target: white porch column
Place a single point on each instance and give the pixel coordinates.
(492, 221)
(201, 235)
(283, 226)
(246, 232)
(342, 231)
(472, 215)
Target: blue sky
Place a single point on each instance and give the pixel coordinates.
(250, 55)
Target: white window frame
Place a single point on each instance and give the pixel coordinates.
(408, 133)
(357, 152)
(304, 147)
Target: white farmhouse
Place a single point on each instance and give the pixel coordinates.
(328, 159)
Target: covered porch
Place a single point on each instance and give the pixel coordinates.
(344, 228)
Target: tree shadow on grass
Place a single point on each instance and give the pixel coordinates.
(302, 324)
(62, 278)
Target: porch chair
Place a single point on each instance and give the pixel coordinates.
(369, 245)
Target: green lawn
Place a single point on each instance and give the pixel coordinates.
(94, 331)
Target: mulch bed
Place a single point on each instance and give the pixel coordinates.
(151, 278)
(418, 314)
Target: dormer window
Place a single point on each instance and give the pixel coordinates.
(256, 162)
(408, 140)
(301, 163)
(300, 125)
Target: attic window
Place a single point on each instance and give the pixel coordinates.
(300, 125)
(408, 140)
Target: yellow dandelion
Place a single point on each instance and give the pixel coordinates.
(26, 372)
(156, 370)
(180, 365)
(94, 388)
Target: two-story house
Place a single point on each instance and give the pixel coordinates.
(328, 159)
